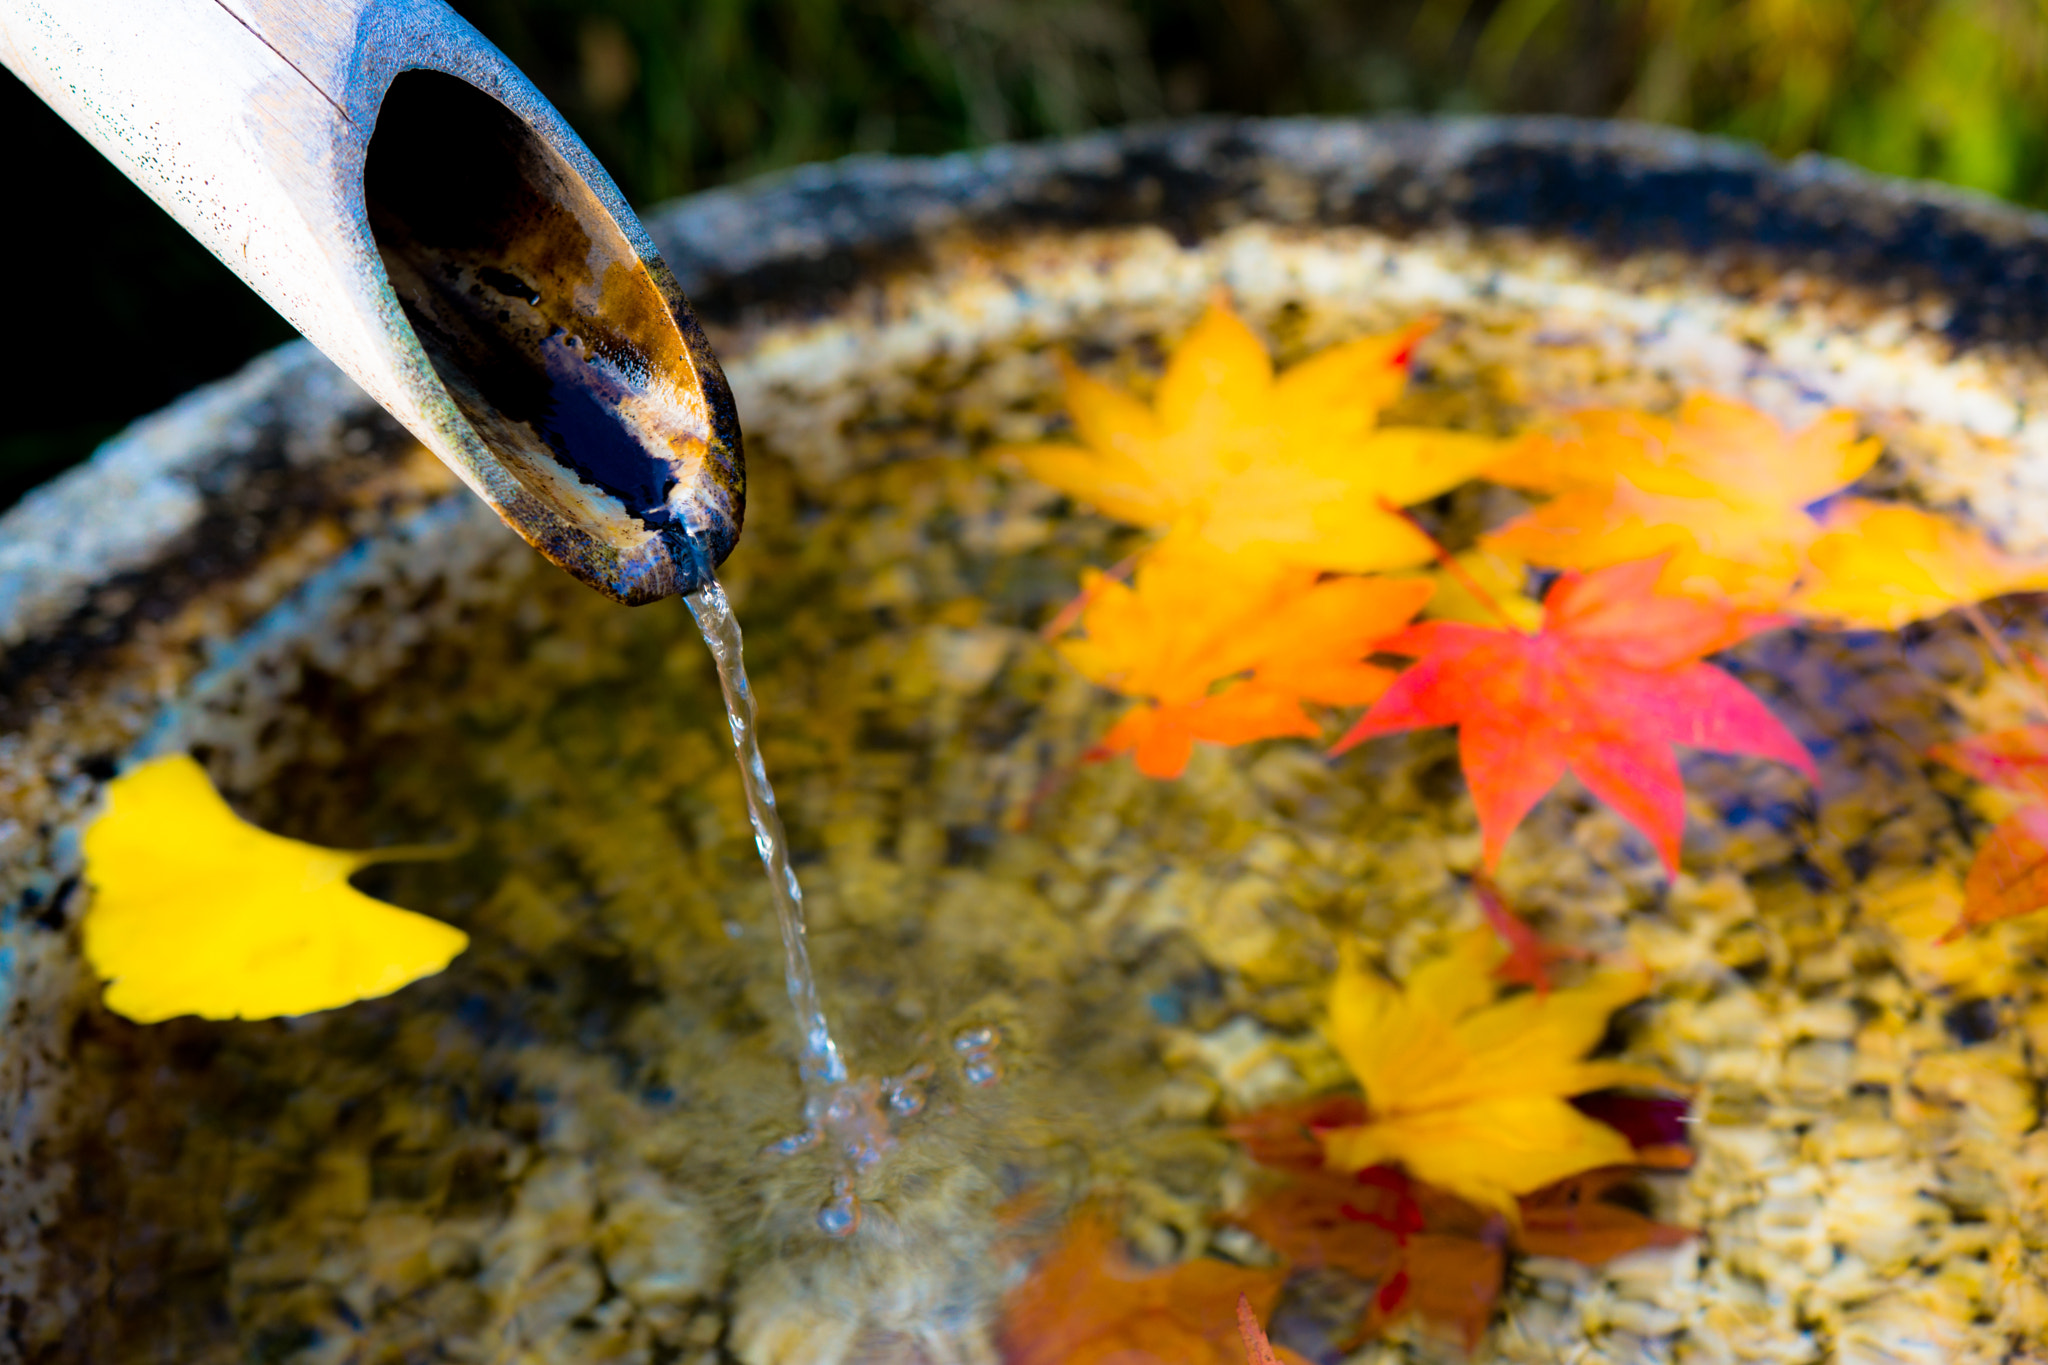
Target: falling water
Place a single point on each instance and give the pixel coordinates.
(848, 1112)
(822, 1067)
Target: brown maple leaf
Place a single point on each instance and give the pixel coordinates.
(1578, 1220)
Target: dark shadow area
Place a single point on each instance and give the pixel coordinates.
(118, 311)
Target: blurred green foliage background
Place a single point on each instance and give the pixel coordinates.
(675, 95)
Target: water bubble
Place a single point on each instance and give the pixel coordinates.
(794, 1143)
(905, 1100)
(976, 1039)
(977, 1049)
(840, 1217)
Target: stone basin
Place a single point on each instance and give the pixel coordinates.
(555, 1150)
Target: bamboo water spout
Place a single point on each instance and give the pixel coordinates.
(392, 185)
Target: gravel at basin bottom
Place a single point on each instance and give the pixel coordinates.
(558, 1150)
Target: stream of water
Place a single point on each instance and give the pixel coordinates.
(820, 1060)
(850, 1112)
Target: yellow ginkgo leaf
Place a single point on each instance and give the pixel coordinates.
(1468, 1092)
(1290, 469)
(196, 911)
(1879, 565)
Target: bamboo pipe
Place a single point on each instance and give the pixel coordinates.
(392, 185)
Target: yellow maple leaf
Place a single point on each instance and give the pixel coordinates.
(1468, 1091)
(196, 911)
(1880, 565)
(1291, 468)
(1225, 652)
(1722, 489)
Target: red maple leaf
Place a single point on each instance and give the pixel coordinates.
(2009, 875)
(1607, 687)
(1529, 957)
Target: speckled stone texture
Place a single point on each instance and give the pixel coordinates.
(549, 1152)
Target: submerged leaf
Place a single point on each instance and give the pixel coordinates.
(1879, 566)
(196, 911)
(1283, 1136)
(1451, 1279)
(1576, 1220)
(1288, 469)
(1319, 1219)
(1086, 1304)
(1226, 653)
(1605, 690)
(1425, 1250)
(1469, 1093)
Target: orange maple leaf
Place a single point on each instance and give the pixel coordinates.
(1609, 685)
(1289, 469)
(1086, 1304)
(1878, 566)
(1226, 652)
(2009, 875)
(1722, 489)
